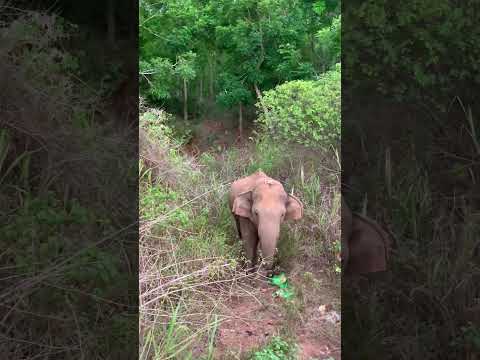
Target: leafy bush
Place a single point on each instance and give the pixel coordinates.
(155, 123)
(306, 112)
(158, 74)
(277, 349)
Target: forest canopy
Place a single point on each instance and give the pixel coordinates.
(199, 54)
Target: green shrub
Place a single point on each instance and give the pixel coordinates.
(155, 123)
(154, 202)
(305, 112)
(277, 349)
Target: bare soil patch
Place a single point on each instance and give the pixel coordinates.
(215, 136)
(311, 321)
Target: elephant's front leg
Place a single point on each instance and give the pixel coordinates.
(250, 240)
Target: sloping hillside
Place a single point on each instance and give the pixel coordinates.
(196, 301)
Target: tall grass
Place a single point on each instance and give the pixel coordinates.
(419, 309)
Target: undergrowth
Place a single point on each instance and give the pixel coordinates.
(276, 349)
(65, 179)
(424, 305)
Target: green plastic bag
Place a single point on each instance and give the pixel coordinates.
(285, 291)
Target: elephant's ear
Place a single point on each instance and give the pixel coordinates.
(368, 248)
(242, 205)
(294, 208)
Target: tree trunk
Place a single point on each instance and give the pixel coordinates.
(312, 49)
(240, 121)
(185, 99)
(211, 78)
(111, 22)
(260, 100)
(200, 95)
(257, 91)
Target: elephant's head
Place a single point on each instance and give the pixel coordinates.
(267, 206)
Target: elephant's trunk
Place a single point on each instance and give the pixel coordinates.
(268, 236)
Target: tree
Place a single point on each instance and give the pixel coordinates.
(157, 78)
(235, 93)
(329, 43)
(185, 69)
(240, 47)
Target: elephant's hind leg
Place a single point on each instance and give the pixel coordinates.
(250, 239)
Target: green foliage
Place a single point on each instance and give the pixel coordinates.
(30, 38)
(437, 39)
(16, 169)
(471, 335)
(37, 225)
(185, 67)
(277, 349)
(154, 202)
(224, 48)
(159, 74)
(307, 112)
(234, 91)
(95, 267)
(171, 343)
(319, 7)
(192, 217)
(329, 42)
(155, 122)
(292, 65)
(164, 129)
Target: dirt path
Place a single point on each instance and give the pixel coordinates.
(312, 320)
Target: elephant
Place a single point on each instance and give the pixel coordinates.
(259, 204)
(365, 244)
